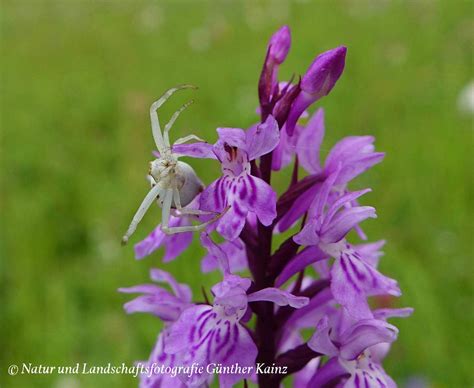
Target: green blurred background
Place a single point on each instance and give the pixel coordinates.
(77, 81)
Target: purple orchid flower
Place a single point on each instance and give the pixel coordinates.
(174, 244)
(159, 358)
(214, 334)
(352, 346)
(168, 306)
(262, 319)
(234, 250)
(353, 155)
(370, 252)
(206, 334)
(353, 278)
(158, 301)
(237, 189)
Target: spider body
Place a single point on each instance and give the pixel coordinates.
(173, 183)
(175, 174)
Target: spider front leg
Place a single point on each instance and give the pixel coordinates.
(183, 210)
(171, 122)
(191, 228)
(185, 139)
(155, 122)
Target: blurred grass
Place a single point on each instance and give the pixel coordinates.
(77, 80)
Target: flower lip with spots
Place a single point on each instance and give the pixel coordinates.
(237, 188)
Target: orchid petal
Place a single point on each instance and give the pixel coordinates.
(370, 252)
(337, 228)
(232, 222)
(320, 200)
(393, 313)
(233, 137)
(201, 336)
(298, 208)
(217, 252)
(195, 150)
(182, 291)
(236, 253)
(279, 297)
(308, 235)
(344, 199)
(159, 357)
(304, 258)
(356, 153)
(352, 280)
(364, 334)
(328, 373)
(262, 138)
(321, 342)
(213, 197)
(309, 143)
(261, 199)
(163, 305)
(174, 244)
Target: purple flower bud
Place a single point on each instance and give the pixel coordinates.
(318, 81)
(277, 51)
(324, 72)
(280, 45)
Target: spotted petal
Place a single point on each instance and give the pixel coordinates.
(159, 357)
(261, 199)
(367, 374)
(203, 336)
(232, 222)
(352, 280)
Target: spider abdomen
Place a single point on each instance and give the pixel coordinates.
(191, 185)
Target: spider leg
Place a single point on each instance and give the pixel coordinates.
(146, 203)
(166, 208)
(182, 140)
(171, 122)
(195, 212)
(190, 228)
(155, 123)
(183, 210)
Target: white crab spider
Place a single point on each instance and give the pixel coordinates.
(174, 183)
